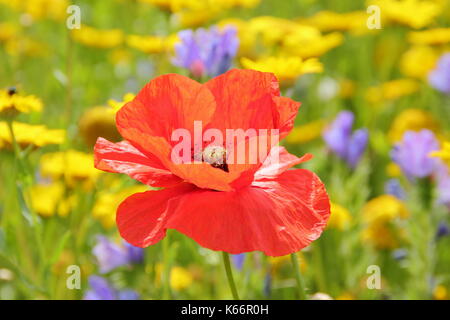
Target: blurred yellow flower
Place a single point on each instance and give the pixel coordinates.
(393, 170)
(103, 39)
(326, 21)
(180, 278)
(430, 37)
(306, 133)
(73, 166)
(146, 44)
(418, 61)
(444, 153)
(391, 90)
(48, 199)
(441, 293)
(413, 13)
(346, 296)
(116, 105)
(412, 120)
(40, 9)
(384, 208)
(98, 122)
(287, 69)
(107, 202)
(308, 42)
(30, 135)
(25, 46)
(8, 31)
(346, 88)
(12, 103)
(340, 217)
(379, 216)
(277, 263)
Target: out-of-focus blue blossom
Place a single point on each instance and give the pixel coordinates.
(206, 52)
(442, 230)
(394, 188)
(135, 254)
(100, 289)
(439, 78)
(346, 144)
(110, 255)
(412, 154)
(400, 254)
(238, 260)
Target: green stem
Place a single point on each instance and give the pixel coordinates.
(166, 272)
(226, 262)
(298, 277)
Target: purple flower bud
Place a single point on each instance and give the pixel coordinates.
(412, 154)
(439, 78)
(345, 144)
(206, 52)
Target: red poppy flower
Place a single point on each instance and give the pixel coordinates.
(244, 207)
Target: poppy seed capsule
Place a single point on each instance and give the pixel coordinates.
(216, 156)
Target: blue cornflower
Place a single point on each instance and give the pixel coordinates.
(206, 52)
(346, 144)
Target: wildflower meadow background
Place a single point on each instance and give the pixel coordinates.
(373, 78)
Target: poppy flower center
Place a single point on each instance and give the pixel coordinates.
(216, 156)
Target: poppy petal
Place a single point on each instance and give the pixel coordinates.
(277, 217)
(278, 161)
(142, 217)
(244, 99)
(166, 103)
(122, 157)
(287, 112)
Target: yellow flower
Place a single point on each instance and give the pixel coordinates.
(412, 120)
(444, 153)
(306, 133)
(278, 262)
(73, 166)
(8, 31)
(98, 122)
(440, 293)
(12, 103)
(393, 170)
(308, 42)
(48, 199)
(103, 39)
(380, 215)
(116, 105)
(346, 88)
(287, 69)
(391, 90)
(384, 208)
(436, 36)
(346, 296)
(180, 278)
(418, 61)
(146, 44)
(326, 21)
(413, 13)
(340, 217)
(25, 46)
(107, 202)
(29, 135)
(40, 9)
